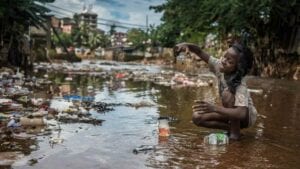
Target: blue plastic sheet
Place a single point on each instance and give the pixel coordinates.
(79, 98)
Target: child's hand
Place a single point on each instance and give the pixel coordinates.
(203, 107)
(181, 47)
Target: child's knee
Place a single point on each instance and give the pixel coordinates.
(228, 99)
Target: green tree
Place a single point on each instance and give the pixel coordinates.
(138, 37)
(105, 40)
(168, 34)
(66, 38)
(266, 25)
(85, 36)
(15, 18)
(96, 39)
(153, 35)
(23, 12)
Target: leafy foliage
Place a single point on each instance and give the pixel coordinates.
(138, 37)
(66, 38)
(85, 36)
(15, 18)
(258, 18)
(23, 12)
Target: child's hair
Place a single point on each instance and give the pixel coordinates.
(244, 65)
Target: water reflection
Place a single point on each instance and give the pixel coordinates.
(128, 127)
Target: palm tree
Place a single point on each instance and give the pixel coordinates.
(81, 35)
(94, 40)
(15, 18)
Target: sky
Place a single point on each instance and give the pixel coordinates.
(127, 13)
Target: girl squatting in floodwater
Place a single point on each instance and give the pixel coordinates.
(237, 110)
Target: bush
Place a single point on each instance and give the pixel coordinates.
(65, 56)
(40, 55)
(129, 57)
(52, 53)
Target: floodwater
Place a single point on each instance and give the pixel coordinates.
(272, 143)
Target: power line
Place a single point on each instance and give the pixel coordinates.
(58, 12)
(61, 14)
(131, 24)
(114, 22)
(108, 20)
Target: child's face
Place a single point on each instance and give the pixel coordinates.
(229, 61)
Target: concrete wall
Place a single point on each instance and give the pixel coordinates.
(167, 53)
(116, 54)
(108, 55)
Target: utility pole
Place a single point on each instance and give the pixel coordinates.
(147, 24)
(49, 26)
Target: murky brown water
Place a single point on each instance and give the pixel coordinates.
(272, 143)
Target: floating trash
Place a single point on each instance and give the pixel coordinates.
(8, 158)
(13, 123)
(67, 118)
(56, 140)
(256, 91)
(72, 97)
(141, 104)
(37, 101)
(22, 136)
(216, 139)
(79, 98)
(60, 105)
(144, 149)
(163, 127)
(102, 107)
(24, 121)
(90, 88)
(68, 79)
(23, 99)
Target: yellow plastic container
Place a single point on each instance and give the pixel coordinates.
(24, 121)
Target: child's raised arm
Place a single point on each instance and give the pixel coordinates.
(189, 47)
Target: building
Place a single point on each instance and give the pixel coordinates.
(88, 17)
(67, 25)
(119, 39)
(55, 22)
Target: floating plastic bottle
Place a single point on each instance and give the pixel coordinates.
(163, 127)
(216, 139)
